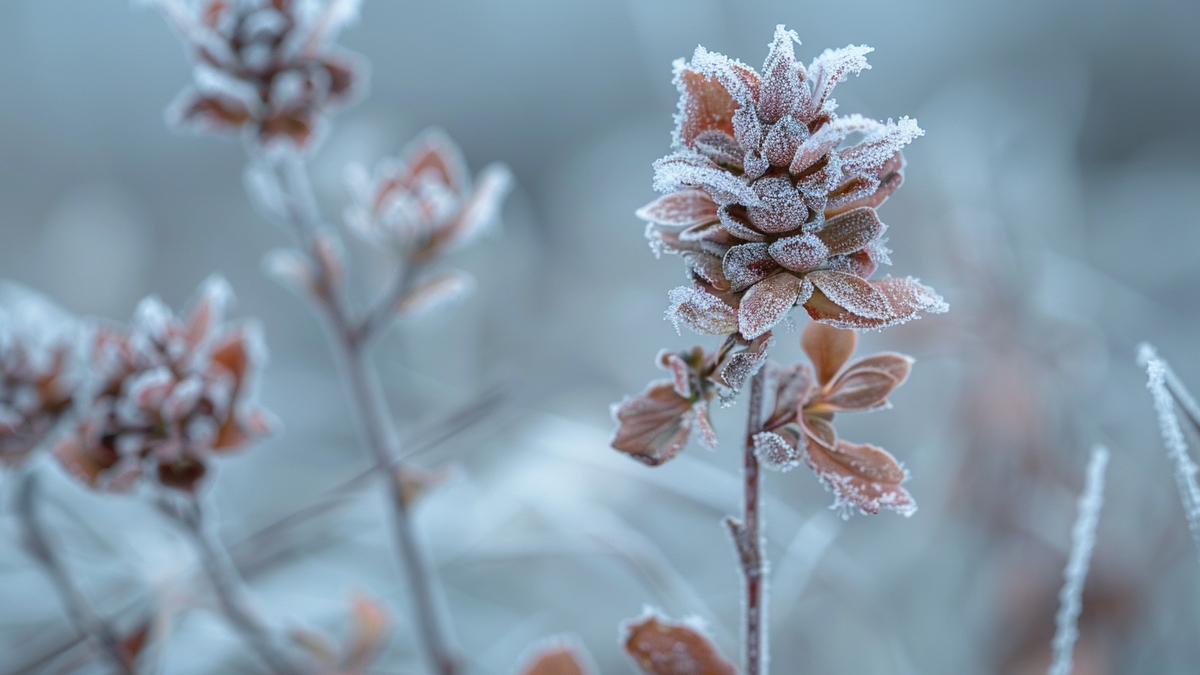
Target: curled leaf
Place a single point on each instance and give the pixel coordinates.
(661, 647)
(861, 476)
(653, 426)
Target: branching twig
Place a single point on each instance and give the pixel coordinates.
(351, 340)
(1083, 540)
(85, 618)
(747, 537)
(228, 587)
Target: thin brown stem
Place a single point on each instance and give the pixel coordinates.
(747, 537)
(229, 588)
(85, 618)
(350, 340)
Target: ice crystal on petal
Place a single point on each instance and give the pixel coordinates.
(434, 293)
(658, 646)
(780, 79)
(880, 145)
(775, 452)
(693, 170)
(852, 293)
(683, 208)
(833, 66)
(746, 265)
(701, 311)
(800, 253)
(851, 231)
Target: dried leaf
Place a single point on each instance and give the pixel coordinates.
(828, 348)
(653, 426)
(862, 476)
(682, 209)
(661, 647)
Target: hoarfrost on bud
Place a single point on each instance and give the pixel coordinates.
(775, 452)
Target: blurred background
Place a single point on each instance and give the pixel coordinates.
(1052, 202)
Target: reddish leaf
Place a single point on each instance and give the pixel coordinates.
(852, 294)
(212, 113)
(777, 451)
(683, 208)
(820, 429)
(851, 231)
(828, 348)
(793, 385)
(703, 312)
(861, 476)
(653, 426)
(768, 301)
(660, 647)
(294, 126)
(907, 298)
(858, 390)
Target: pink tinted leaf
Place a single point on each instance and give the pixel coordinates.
(861, 476)
(683, 208)
(896, 365)
(661, 647)
(826, 139)
(793, 384)
(738, 79)
(740, 366)
(858, 390)
(720, 147)
(783, 141)
(734, 221)
(434, 153)
(851, 231)
(819, 429)
(781, 210)
(680, 371)
(653, 426)
(211, 113)
(766, 303)
(708, 435)
(703, 105)
(433, 293)
(852, 294)
(880, 145)
(799, 253)
(907, 299)
(691, 170)
(747, 264)
(827, 347)
(780, 87)
(833, 66)
(890, 177)
(701, 311)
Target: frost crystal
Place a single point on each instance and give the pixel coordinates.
(1083, 540)
(1168, 424)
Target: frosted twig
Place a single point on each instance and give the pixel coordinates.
(228, 587)
(349, 339)
(1172, 433)
(747, 537)
(1083, 540)
(81, 612)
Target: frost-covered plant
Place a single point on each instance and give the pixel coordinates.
(37, 382)
(169, 393)
(771, 206)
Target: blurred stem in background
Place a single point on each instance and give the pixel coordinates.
(351, 339)
(227, 584)
(85, 618)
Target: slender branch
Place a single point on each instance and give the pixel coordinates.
(747, 537)
(81, 612)
(1083, 540)
(229, 588)
(350, 340)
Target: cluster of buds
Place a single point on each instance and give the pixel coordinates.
(169, 392)
(37, 386)
(264, 68)
(767, 207)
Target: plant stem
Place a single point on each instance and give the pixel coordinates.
(747, 537)
(229, 589)
(82, 614)
(351, 339)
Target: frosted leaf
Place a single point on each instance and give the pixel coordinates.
(859, 389)
(775, 452)
(691, 170)
(833, 66)
(434, 293)
(746, 264)
(293, 270)
(707, 267)
(792, 386)
(783, 141)
(897, 366)
(720, 147)
(736, 226)
(889, 178)
(701, 311)
(704, 232)
(828, 348)
(708, 435)
(880, 145)
(780, 78)
(482, 208)
(851, 231)
(661, 647)
(737, 78)
(781, 210)
(819, 430)
(766, 303)
(680, 371)
(741, 366)
(680, 209)
(860, 476)
(748, 130)
(653, 426)
(826, 139)
(852, 294)
(703, 104)
(800, 253)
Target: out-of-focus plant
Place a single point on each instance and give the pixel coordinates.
(771, 207)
